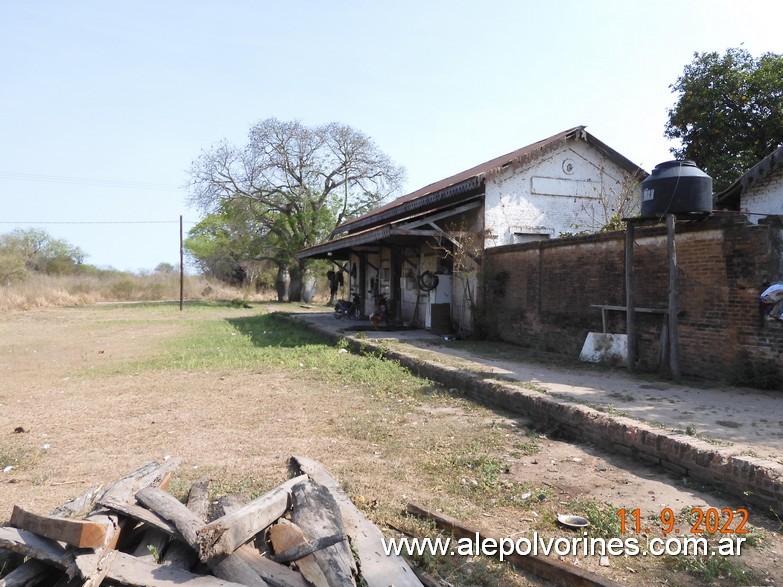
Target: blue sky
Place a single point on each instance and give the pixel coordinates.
(106, 104)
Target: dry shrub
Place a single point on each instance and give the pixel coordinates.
(42, 291)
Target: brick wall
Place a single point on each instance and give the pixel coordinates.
(540, 294)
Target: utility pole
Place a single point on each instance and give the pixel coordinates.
(181, 267)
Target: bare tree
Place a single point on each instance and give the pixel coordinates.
(606, 211)
(297, 182)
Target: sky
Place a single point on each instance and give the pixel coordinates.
(105, 105)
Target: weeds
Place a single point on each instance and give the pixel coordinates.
(603, 518)
(709, 569)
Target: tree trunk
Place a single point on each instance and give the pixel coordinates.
(295, 289)
(283, 283)
(309, 286)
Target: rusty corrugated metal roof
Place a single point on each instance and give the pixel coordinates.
(472, 178)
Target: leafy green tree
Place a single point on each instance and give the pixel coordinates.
(287, 189)
(38, 252)
(729, 113)
(227, 246)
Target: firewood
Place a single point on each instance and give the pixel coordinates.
(226, 534)
(230, 568)
(198, 498)
(29, 544)
(105, 553)
(179, 554)
(275, 574)
(150, 474)
(316, 512)
(32, 572)
(119, 497)
(307, 547)
(129, 570)
(285, 535)
(78, 505)
(78, 533)
(95, 567)
(229, 503)
(378, 569)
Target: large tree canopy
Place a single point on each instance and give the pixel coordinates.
(291, 184)
(729, 114)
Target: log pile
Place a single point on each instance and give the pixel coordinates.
(306, 532)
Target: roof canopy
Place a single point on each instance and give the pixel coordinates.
(376, 225)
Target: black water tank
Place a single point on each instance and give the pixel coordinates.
(676, 187)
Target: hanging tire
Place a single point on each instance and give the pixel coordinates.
(428, 281)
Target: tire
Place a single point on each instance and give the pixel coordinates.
(428, 281)
(338, 315)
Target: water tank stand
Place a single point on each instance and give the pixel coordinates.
(672, 337)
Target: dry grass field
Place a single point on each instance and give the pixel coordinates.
(89, 393)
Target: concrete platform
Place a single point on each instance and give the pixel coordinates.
(726, 436)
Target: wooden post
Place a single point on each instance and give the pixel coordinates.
(630, 314)
(181, 267)
(674, 336)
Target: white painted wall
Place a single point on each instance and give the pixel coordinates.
(766, 197)
(559, 193)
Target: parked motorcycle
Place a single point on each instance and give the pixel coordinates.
(352, 309)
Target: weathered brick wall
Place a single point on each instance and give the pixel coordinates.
(540, 294)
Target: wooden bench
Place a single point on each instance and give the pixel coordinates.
(605, 309)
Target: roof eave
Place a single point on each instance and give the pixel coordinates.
(464, 187)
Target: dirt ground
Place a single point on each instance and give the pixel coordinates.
(69, 423)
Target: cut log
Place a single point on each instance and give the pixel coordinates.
(104, 554)
(377, 568)
(179, 555)
(120, 496)
(229, 532)
(284, 536)
(230, 568)
(78, 506)
(78, 533)
(230, 503)
(551, 569)
(150, 474)
(129, 570)
(198, 498)
(29, 544)
(29, 574)
(275, 574)
(316, 512)
(308, 547)
(95, 566)
(141, 514)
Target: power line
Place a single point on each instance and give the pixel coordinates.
(108, 183)
(99, 222)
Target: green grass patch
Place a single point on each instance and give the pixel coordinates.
(265, 341)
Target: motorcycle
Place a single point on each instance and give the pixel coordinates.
(352, 309)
